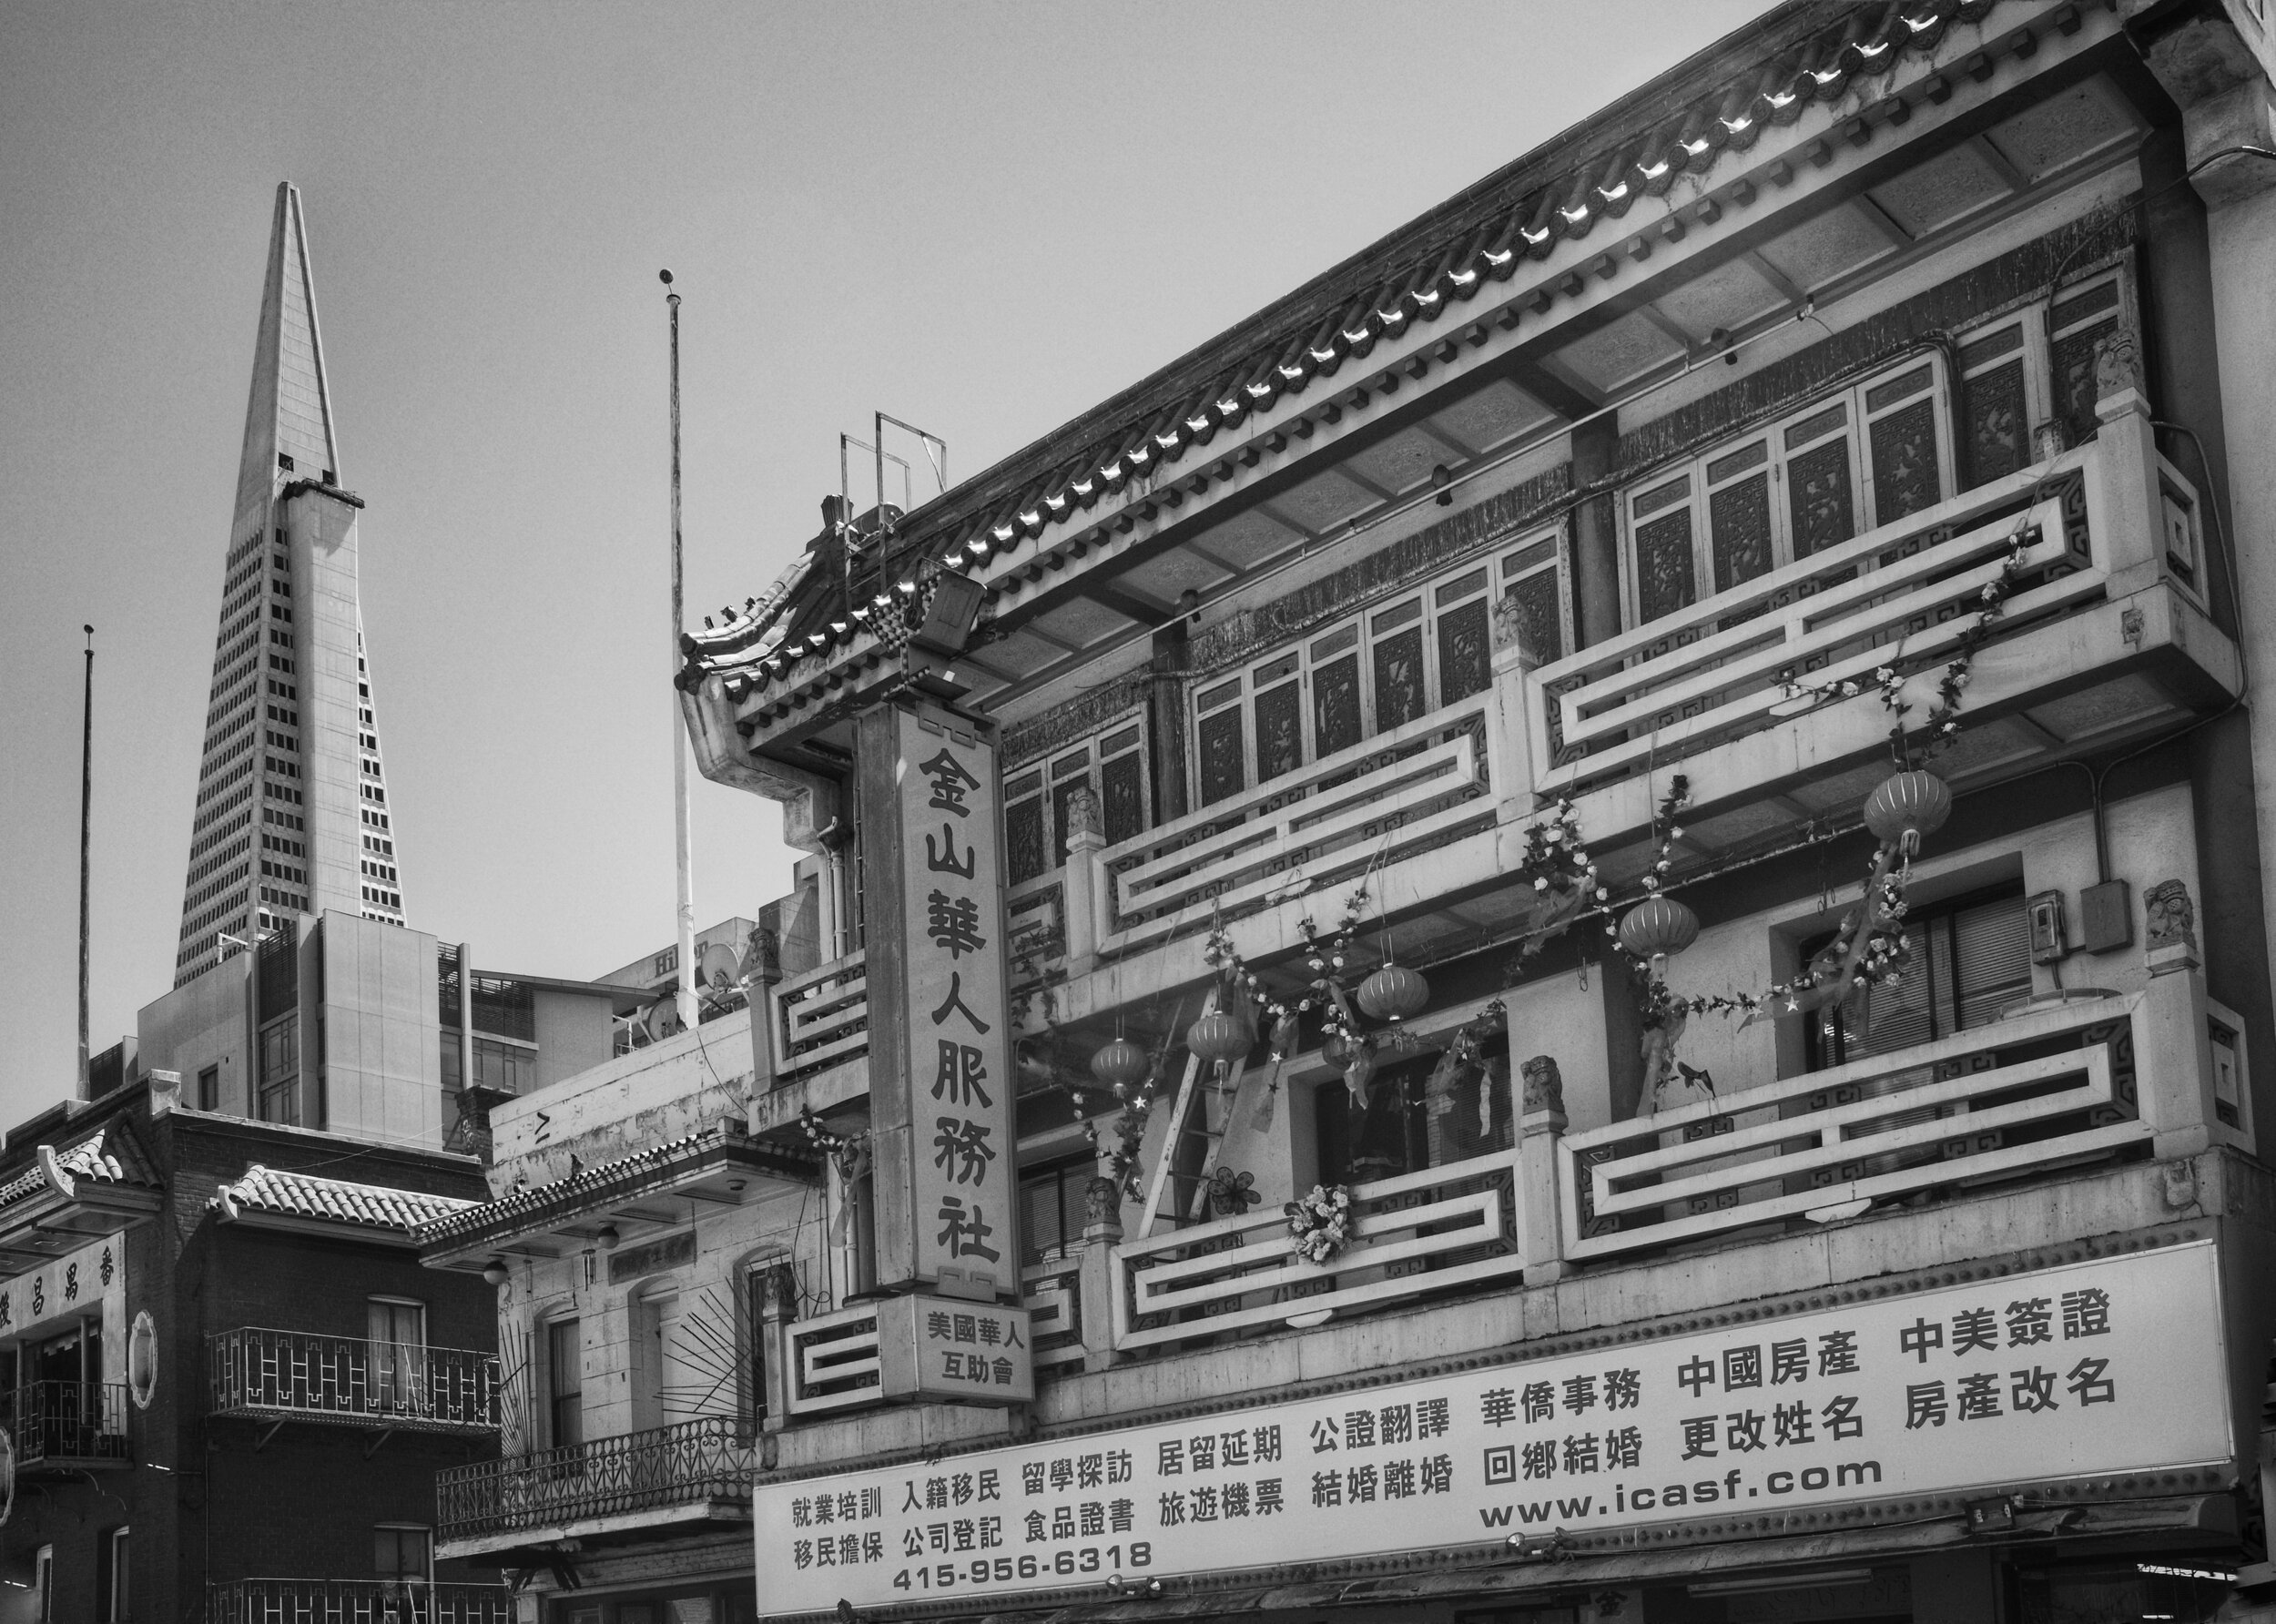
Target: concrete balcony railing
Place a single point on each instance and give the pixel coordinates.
(66, 1426)
(2055, 1091)
(703, 1465)
(821, 1020)
(2104, 522)
(356, 1601)
(1381, 801)
(279, 1376)
(1417, 1233)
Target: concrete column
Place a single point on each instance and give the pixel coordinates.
(1097, 1286)
(777, 1308)
(1080, 887)
(1509, 750)
(2228, 105)
(1541, 1119)
(2172, 1045)
(1596, 533)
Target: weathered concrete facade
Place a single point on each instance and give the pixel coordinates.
(1818, 490)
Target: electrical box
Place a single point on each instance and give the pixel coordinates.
(2049, 941)
(2106, 916)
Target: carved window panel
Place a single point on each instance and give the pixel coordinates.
(1400, 693)
(1738, 517)
(1109, 763)
(1664, 578)
(1907, 474)
(1222, 767)
(1465, 656)
(1824, 499)
(1279, 731)
(1337, 723)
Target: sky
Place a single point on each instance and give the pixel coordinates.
(981, 219)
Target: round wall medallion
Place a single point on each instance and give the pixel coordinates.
(142, 1360)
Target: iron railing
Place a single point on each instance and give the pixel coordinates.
(356, 1601)
(67, 1421)
(357, 1380)
(709, 1458)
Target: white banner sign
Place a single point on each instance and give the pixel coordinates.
(2108, 1367)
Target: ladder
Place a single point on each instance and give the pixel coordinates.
(1199, 1086)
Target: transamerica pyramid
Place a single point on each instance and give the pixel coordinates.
(292, 816)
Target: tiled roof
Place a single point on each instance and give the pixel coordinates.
(303, 1195)
(1682, 124)
(109, 1155)
(534, 1205)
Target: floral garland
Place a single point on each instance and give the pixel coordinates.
(850, 1154)
(1321, 1224)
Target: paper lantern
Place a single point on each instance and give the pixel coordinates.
(1657, 927)
(1907, 808)
(1394, 992)
(1219, 1037)
(1119, 1064)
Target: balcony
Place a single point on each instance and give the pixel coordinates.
(2107, 582)
(356, 1601)
(691, 1472)
(298, 1375)
(2031, 1094)
(820, 1036)
(1416, 1235)
(1414, 789)
(68, 1427)
(2075, 1086)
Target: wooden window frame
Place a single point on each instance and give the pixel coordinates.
(1785, 441)
(1056, 764)
(1357, 634)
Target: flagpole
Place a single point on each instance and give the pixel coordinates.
(86, 802)
(682, 818)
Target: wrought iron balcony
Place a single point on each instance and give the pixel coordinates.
(67, 1425)
(280, 1375)
(356, 1601)
(701, 1466)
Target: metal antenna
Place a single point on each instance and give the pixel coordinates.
(683, 823)
(87, 801)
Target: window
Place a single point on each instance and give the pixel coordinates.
(564, 1385)
(281, 1071)
(1969, 958)
(1375, 673)
(402, 1552)
(1110, 763)
(112, 1593)
(398, 1335)
(504, 1068)
(1830, 471)
(1404, 1128)
(1051, 1207)
(209, 1088)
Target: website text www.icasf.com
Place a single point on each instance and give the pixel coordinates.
(1627, 1502)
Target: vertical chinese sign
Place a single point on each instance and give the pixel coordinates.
(940, 1078)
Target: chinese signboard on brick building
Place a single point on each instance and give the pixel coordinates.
(939, 1041)
(2020, 1380)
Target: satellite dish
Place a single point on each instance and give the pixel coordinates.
(718, 973)
(661, 1019)
(142, 1360)
(7, 1474)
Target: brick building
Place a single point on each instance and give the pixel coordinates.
(227, 1384)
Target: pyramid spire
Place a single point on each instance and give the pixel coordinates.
(291, 816)
(289, 413)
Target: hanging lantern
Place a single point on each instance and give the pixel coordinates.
(1657, 927)
(1119, 1064)
(1219, 1037)
(1394, 992)
(1906, 809)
